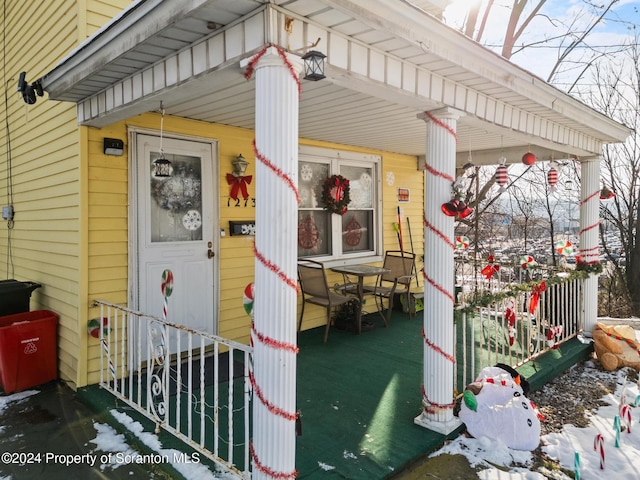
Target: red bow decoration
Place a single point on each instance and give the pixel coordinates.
(490, 269)
(510, 316)
(238, 184)
(535, 296)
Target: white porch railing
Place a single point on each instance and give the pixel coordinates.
(192, 384)
(506, 331)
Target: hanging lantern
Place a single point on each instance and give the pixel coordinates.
(314, 65)
(552, 177)
(162, 167)
(529, 158)
(502, 177)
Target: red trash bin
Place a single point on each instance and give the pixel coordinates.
(28, 355)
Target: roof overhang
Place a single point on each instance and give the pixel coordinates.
(385, 64)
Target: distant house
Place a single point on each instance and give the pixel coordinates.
(200, 83)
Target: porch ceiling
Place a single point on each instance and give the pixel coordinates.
(345, 108)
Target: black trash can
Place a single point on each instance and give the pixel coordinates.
(15, 296)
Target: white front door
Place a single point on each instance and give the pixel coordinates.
(175, 231)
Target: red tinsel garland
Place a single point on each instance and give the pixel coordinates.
(440, 406)
(438, 232)
(280, 412)
(292, 282)
(283, 176)
(436, 173)
(253, 62)
(266, 470)
(451, 358)
(440, 123)
(273, 343)
(440, 288)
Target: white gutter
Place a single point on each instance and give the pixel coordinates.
(139, 21)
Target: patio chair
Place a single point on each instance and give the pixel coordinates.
(397, 281)
(315, 290)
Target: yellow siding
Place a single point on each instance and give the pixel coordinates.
(43, 170)
(49, 233)
(108, 234)
(99, 12)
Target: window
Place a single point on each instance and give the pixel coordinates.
(323, 234)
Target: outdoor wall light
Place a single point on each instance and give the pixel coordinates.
(239, 166)
(314, 65)
(29, 91)
(113, 146)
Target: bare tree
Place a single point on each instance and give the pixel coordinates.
(571, 36)
(617, 94)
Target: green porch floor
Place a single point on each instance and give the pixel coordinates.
(358, 396)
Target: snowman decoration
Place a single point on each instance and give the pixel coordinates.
(495, 406)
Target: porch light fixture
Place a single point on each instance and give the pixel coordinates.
(239, 166)
(314, 65)
(161, 166)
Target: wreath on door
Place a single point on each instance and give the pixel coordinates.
(335, 194)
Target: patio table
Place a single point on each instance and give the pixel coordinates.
(360, 271)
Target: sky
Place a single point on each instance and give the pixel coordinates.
(621, 25)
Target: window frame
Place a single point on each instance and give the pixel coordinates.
(335, 158)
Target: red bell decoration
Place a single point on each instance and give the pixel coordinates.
(463, 211)
(450, 209)
(528, 158)
(552, 178)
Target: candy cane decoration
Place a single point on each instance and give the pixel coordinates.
(616, 427)
(552, 334)
(576, 466)
(598, 445)
(167, 290)
(510, 316)
(625, 414)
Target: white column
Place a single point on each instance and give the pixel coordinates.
(589, 230)
(274, 337)
(439, 278)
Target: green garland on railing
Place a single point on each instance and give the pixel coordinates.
(589, 267)
(485, 298)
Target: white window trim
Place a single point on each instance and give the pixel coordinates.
(308, 153)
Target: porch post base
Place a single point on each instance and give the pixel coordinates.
(445, 428)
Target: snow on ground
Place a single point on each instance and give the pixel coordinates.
(16, 397)
(622, 461)
(188, 466)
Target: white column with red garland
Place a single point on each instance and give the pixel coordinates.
(273, 334)
(438, 329)
(589, 231)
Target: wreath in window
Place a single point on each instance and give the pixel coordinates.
(335, 194)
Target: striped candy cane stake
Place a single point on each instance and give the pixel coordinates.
(576, 466)
(167, 290)
(598, 445)
(625, 415)
(616, 427)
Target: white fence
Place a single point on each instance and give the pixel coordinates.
(514, 330)
(192, 384)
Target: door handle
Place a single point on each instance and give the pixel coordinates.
(211, 253)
